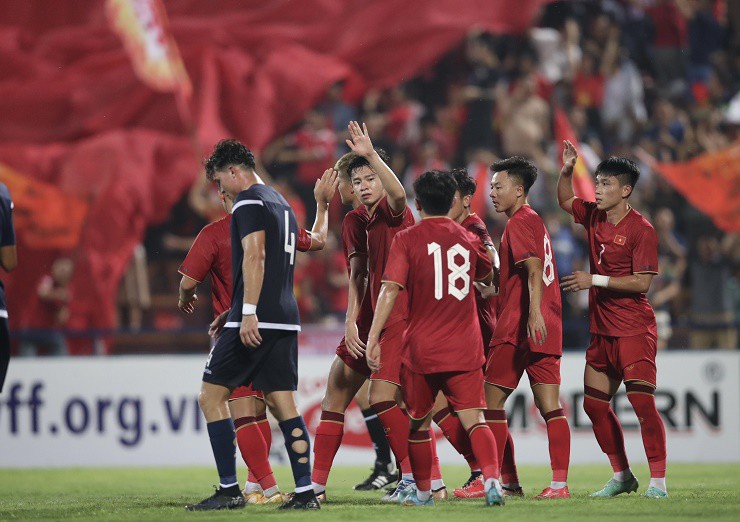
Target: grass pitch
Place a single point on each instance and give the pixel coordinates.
(696, 491)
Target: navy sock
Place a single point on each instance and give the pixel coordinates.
(299, 450)
(377, 435)
(223, 443)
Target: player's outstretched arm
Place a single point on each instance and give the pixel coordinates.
(186, 302)
(632, 284)
(356, 293)
(536, 329)
(386, 300)
(253, 270)
(565, 181)
(361, 144)
(323, 192)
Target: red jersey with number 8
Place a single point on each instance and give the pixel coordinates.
(525, 237)
(436, 262)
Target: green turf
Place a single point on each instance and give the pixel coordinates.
(697, 491)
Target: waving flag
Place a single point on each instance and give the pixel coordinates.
(583, 184)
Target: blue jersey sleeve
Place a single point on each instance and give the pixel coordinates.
(7, 232)
(249, 216)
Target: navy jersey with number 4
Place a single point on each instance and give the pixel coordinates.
(262, 208)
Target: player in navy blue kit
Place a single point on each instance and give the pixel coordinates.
(259, 341)
(8, 260)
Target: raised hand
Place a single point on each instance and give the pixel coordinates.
(570, 156)
(325, 186)
(360, 140)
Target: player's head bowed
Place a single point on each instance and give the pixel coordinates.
(435, 191)
(228, 153)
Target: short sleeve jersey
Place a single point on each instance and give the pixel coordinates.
(486, 314)
(629, 247)
(525, 237)
(354, 242)
(382, 227)
(262, 208)
(7, 232)
(436, 262)
(210, 253)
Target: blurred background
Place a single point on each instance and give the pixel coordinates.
(108, 109)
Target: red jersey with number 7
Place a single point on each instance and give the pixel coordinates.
(525, 237)
(435, 263)
(210, 253)
(629, 247)
(486, 307)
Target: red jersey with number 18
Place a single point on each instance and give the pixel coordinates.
(525, 237)
(210, 253)
(436, 262)
(629, 247)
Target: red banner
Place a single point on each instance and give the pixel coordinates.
(711, 183)
(583, 183)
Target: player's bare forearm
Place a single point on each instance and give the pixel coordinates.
(357, 287)
(393, 187)
(187, 297)
(631, 284)
(320, 227)
(8, 258)
(253, 266)
(323, 192)
(386, 300)
(535, 323)
(566, 195)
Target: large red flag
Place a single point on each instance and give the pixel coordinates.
(710, 182)
(583, 184)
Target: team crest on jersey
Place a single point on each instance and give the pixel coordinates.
(620, 240)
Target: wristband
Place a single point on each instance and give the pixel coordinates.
(600, 280)
(249, 309)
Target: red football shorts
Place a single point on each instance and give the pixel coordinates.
(391, 348)
(359, 365)
(246, 391)
(507, 363)
(464, 390)
(624, 358)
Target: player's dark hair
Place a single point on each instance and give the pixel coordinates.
(624, 169)
(227, 153)
(520, 168)
(361, 161)
(465, 184)
(435, 190)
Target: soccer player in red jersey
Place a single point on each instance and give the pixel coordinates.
(384, 197)
(443, 416)
(349, 371)
(210, 254)
(436, 262)
(623, 253)
(528, 333)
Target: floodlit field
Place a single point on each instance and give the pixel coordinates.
(697, 491)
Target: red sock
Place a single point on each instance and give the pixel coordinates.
(436, 470)
(496, 421)
(509, 474)
(265, 428)
(326, 444)
(396, 426)
(455, 433)
(421, 456)
(558, 438)
(254, 451)
(484, 447)
(651, 426)
(606, 427)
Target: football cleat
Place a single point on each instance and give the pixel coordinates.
(229, 498)
(495, 496)
(440, 494)
(254, 497)
(400, 489)
(411, 499)
(382, 475)
(277, 498)
(653, 492)
(614, 487)
(305, 500)
(549, 493)
(515, 491)
(473, 488)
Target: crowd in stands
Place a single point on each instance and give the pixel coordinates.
(638, 78)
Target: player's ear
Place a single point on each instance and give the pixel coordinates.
(466, 201)
(626, 191)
